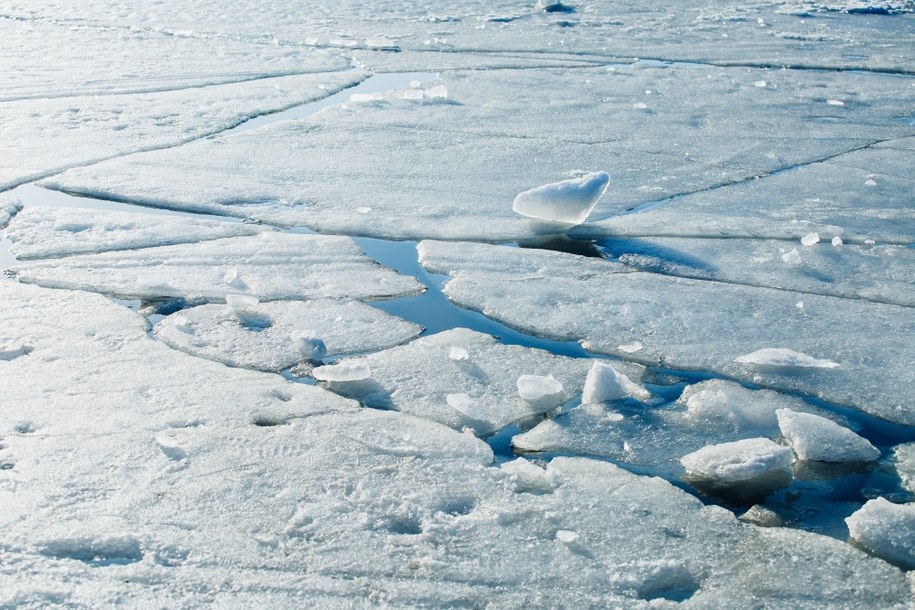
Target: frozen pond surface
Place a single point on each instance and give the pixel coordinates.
(269, 305)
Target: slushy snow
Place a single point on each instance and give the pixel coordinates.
(822, 440)
(569, 201)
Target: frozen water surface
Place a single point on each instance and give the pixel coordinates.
(742, 292)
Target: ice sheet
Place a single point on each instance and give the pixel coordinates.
(48, 135)
(881, 273)
(275, 333)
(514, 130)
(691, 324)
(48, 232)
(270, 266)
(418, 379)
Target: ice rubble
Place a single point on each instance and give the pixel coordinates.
(419, 378)
(872, 272)
(288, 332)
(602, 305)
(737, 461)
(197, 475)
(904, 456)
(49, 135)
(296, 175)
(656, 436)
(819, 439)
(569, 201)
(46, 232)
(887, 530)
(269, 266)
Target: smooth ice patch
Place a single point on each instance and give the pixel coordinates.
(569, 201)
(822, 440)
(784, 357)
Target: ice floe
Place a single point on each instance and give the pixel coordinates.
(887, 530)
(269, 266)
(45, 232)
(691, 324)
(822, 440)
(480, 392)
(285, 333)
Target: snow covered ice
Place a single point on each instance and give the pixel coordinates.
(498, 304)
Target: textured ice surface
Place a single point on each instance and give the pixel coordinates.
(7, 210)
(782, 357)
(737, 461)
(691, 324)
(873, 272)
(887, 530)
(717, 128)
(569, 201)
(45, 232)
(816, 438)
(419, 378)
(905, 465)
(270, 266)
(282, 333)
(48, 135)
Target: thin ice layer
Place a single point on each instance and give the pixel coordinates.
(280, 334)
(48, 232)
(270, 266)
(658, 132)
(692, 324)
(880, 273)
(44, 136)
(418, 379)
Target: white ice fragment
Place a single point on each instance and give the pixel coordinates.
(604, 384)
(792, 257)
(365, 98)
(312, 347)
(170, 447)
(566, 536)
(887, 530)
(837, 241)
(781, 356)
(412, 94)
(870, 242)
(810, 239)
(870, 182)
(640, 105)
(528, 477)
(799, 305)
(835, 102)
(738, 461)
(242, 303)
(458, 354)
(415, 84)
(818, 439)
(630, 348)
(538, 387)
(467, 406)
(762, 516)
(439, 92)
(343, 371)
(760, 83)
(569, 201)
(154, 281)
(904, 458)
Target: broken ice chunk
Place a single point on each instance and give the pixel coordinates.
(905, 465)
(887, 530)
(569, 201)
(762, 516)
(170, 447)
(536, 387)
(738, 461)
(810, 239)
(792, 257)
(344, 371)
(439, 92)
(784, 357)
(467, 406)
(818, 439)
(458, 354)
(310, 346)
(528, 477)
(837, 241)
(605, 384)
(566, 536)
(242, 303)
